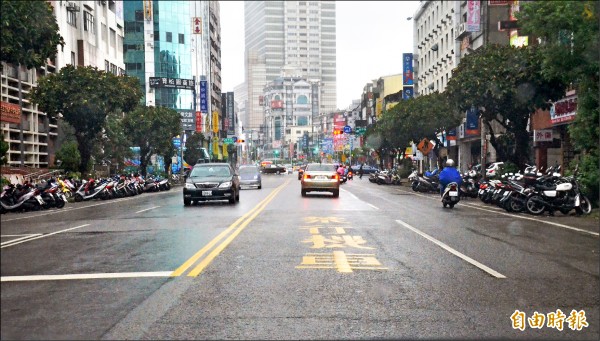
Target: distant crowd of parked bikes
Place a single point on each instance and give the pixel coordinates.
(56, 192)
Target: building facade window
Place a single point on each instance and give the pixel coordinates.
(181, 38)
(88, 22)
(72, 18)
(169, 37)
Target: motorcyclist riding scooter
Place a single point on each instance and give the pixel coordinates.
(450, 181)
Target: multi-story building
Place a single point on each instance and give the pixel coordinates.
(171, 41)
(443, 33)
(93, 33)
(296, 34)
(290, 111)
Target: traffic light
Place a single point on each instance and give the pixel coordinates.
(337, 132)
(276, 152)
(240, 141)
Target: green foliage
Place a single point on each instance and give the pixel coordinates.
(69, 156)
(151, 129)
(405, 167)
(509, 167)
(193, 144)
(3, 149)
(417, 118)
(506, 85)
(569, 31)
(3, 182)
(84, 96)
(115, 145)
(29, 32)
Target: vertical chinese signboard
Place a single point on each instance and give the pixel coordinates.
(203, 97)
(215, 122)
(230, 114)
(407, 69)
(407, 75)
(196, 25)
(198, 121)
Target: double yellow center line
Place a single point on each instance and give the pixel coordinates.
(231, 232)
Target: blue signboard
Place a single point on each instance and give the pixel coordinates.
(203, 97)
(407, 92)
(407, 69)
(472, 126)
(347, 129)
(327, 145)
(176, 142)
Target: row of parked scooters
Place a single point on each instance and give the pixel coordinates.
(531, 191)
(55, 192)
(385, 177)
(536, 192)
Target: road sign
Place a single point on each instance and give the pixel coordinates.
(176, 142)
(228, 140)
(360, 131)
(347, 129)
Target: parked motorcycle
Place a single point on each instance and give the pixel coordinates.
(20, 198)
(87, 190)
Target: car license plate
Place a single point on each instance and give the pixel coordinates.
(321, 177)
(206, 193)
(453, 193)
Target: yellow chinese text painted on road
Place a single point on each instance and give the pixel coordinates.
(340, 261)
(330, 232)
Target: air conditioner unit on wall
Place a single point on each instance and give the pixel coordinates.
(461, 31)
(72, 6)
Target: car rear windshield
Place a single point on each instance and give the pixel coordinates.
(206, 171)
(326, 167)
(248, 170)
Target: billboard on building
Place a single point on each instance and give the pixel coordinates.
(473, 15)
(408, 92)
(564, 110)
(10, 112)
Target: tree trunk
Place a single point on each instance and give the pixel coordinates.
(144, 158)
(521, 156)
(85, 151)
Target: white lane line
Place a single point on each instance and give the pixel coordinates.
(85, 276)
(453, 251)
(375, 207)
(147, 209)
(68, 209)
(45, 235)
(350, 194)
(27, 236)
(515, 216)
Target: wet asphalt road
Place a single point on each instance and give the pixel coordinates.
(378, 262)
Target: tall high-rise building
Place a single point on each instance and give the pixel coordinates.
(294, 38)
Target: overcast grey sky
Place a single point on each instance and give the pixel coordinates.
(371, 37)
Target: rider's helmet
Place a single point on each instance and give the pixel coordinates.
(449, 163)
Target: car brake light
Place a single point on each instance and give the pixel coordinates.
(335, 177)
(306, 176)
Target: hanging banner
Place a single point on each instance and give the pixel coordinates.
(472, 127)
(215, 145)
(473, 16)
(198, 121)
(215, 122)
(407, 92)
(203, 97)
(225, 153)
(407, 66)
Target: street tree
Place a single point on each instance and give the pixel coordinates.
(192, 147)
(3, 150)
(569, 35)
(29, 33)
(114, 142)
(69, 156)
(506, 85)
(151, 129)
(84, 96)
